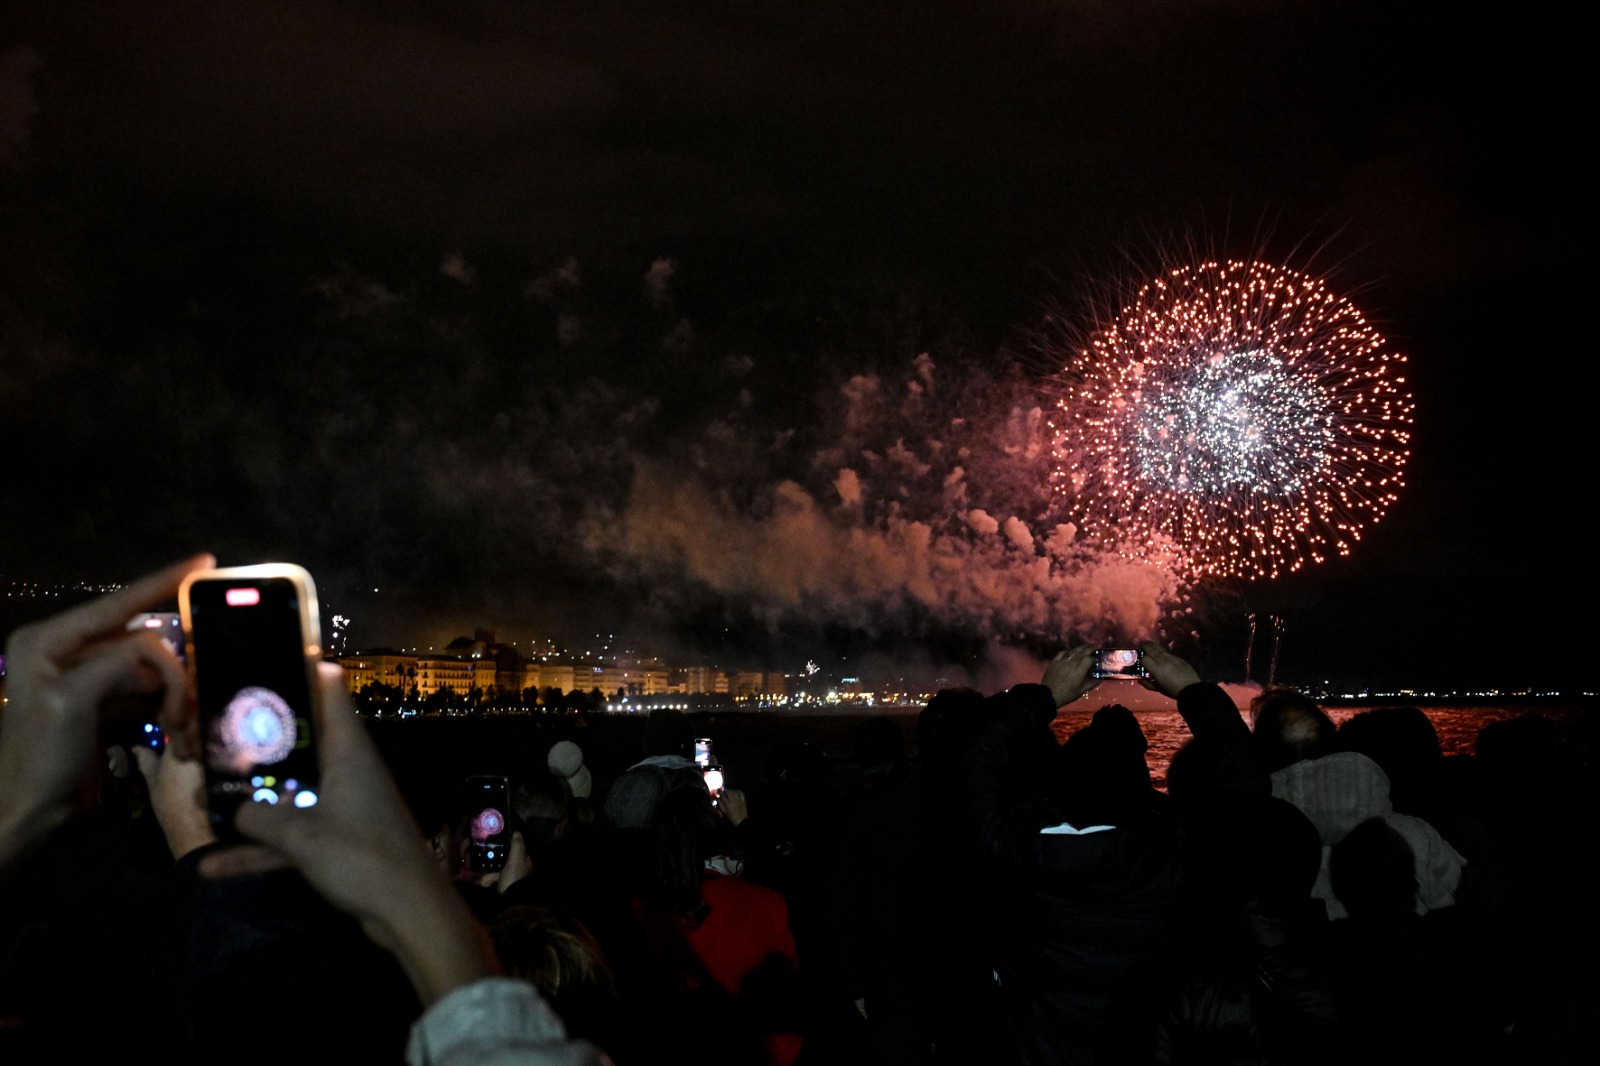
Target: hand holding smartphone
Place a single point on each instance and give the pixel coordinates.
(710, 770)
(253, 642)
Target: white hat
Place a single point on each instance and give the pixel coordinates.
(566, 761)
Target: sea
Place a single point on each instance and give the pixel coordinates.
(746, 742)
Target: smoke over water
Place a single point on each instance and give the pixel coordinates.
(922, 508)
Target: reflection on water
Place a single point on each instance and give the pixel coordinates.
(1458, 727)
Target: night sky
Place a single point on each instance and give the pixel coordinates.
(563, 317)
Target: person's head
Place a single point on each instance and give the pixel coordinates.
(661, 860)
(565, 761)
(947, 721)
(1100, 776)
(1374, 874)
(635, 796)
(880, 747)
(549, 949)
(541, 804)
(1289, 727)
(1403, 741)
(668, 732)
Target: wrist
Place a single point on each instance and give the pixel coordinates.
(25, 824)
(429, 930)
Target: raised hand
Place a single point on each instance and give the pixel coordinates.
(65, 676)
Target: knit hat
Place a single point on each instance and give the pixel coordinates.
(566, 762)
(633, 799)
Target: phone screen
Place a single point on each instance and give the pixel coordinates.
(248, 638)
(490, 828)
(702, 752)
(1119, 662)
(168, 625)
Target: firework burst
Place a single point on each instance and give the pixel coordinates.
(1236, 417)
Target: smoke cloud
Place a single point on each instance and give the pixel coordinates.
(794, 558)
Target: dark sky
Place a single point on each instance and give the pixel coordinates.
(559, 316)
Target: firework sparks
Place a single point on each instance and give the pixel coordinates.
(1236, 417)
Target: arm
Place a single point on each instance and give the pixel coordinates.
(1214, 721)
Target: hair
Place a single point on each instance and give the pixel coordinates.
(541, 804)
(1290, 727)
(661, 861)
(549, 949)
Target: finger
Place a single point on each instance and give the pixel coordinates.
(339, 730)
(179, 712)
(175, 697)
(149, 762)
(119, 666)
(246, 859)
(282, 828)
(183, 735)
(64, 634)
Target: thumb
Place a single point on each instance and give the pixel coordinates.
(149, 762)
(281, 827)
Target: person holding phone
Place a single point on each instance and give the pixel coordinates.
(1079, 905)
(357, 847)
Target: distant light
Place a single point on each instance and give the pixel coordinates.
(307, 798)
(242, 597)
(265, 795)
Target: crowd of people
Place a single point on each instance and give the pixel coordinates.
(1301, 893)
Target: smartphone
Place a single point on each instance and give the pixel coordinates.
(168, 625)
(1119, 663)
(490, 829)
(253, 647)
(710, 772)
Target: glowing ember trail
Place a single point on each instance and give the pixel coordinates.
(1235, 417)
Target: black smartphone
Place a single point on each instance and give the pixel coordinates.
(710, 771)
(489, 800)
(253, 646)
(1119, 663)
(168, 625)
